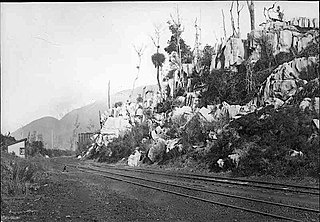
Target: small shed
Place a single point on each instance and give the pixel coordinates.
(18, 148)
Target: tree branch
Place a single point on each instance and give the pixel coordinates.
(153, 41)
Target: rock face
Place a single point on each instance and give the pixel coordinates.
(283, 36)
(229, 53)
(284, 81)
(233, 52)
(280, 36)
(304, 22)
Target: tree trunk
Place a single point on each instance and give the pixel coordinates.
(234, 32)
(224, 26)
(238, 20)
(158, 79)
(251, 12)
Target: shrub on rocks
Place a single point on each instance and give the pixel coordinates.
(273, 136)
(124, 145)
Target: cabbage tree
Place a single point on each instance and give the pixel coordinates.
(158, 61)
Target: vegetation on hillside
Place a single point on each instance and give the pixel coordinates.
(264, 138)
(267, 137)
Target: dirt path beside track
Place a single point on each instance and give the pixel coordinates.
(78, 196)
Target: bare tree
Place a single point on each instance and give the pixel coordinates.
(179, 29)
(157, 34)
(279, 14)
(224, 25)
(236, 32)
(250, 5)
(91, 125)
(197, 45)
(239, 9)
(139, 52)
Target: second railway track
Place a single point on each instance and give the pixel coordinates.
(233, 181)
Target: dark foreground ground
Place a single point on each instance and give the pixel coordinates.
(78, 196)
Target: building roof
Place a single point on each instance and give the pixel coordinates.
(18, 141)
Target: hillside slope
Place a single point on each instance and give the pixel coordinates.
(59, 132)
(44, 125)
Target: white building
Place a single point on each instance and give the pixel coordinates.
(18, 148)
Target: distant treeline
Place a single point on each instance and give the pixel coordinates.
(36, 147)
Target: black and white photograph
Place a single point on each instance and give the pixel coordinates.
(147, 111)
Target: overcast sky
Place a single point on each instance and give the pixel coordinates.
(60, 56)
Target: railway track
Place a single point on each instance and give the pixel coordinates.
(111, 174)
(223, 180)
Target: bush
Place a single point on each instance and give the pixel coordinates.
(278, 133)
(164, 107)
(267, 142)
(221, 148)
(5, 140)
(123, 146)
(16, 172)
(194, 131)
(229, 86)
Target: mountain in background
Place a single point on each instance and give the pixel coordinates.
(59, 132)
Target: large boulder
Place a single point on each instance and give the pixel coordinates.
(157, 150)
(206, 114)
(226, 111)
(284, 80)
(285, 41)
(172, 143)
(134, 159)
(284, 89)
(184, 112)
(316, 104)
(305, 104)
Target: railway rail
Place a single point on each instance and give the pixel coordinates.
(224, 180)
(109, 173)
